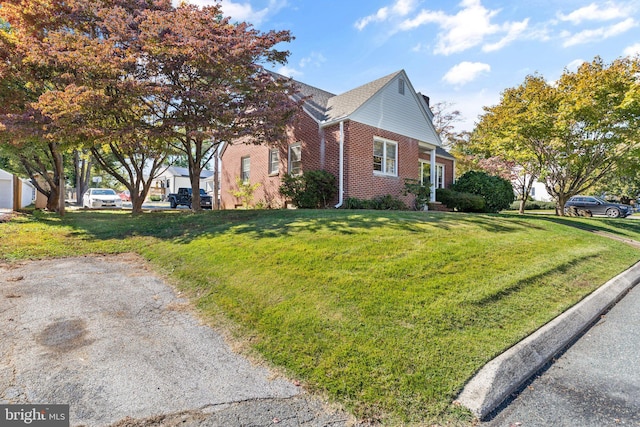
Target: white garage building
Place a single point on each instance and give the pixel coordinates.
(27, 191)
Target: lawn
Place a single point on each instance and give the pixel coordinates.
(388, 313)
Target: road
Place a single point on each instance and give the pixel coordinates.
(595, 383)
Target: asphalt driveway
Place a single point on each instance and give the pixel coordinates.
(111, 339)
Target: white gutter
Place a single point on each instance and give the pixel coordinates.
(341, 177)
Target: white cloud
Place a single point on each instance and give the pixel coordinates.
(514, 31)
(632, 50)
(594, 12)
(399, 8)
(289, 72)
(241, 11)
(468, 28)
(465, 72)
(593, 35)
(316, 59)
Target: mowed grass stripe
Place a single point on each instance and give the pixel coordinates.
(389, 313)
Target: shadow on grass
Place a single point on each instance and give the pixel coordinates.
(629, 228)
(499, 294)
(184, 227)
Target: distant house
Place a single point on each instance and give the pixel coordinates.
(372, 138)
(175, 177)
(538, 190)
(9, 184)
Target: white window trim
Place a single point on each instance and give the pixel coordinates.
(275, 171)
(384, 156)
(437, 165)
(299, 145)
(242, 163)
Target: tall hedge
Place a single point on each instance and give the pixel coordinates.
(497, 192)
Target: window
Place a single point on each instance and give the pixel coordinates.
(274, 161)
(425, 174)
(295, 159)
(245, 169)
(385, 153)
(401, 86)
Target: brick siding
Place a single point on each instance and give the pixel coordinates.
(321, 150)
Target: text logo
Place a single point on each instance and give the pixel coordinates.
(34, 415)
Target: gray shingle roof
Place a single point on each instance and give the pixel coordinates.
(441, 152)
(317, 99)
(345, 104)
(326, 106)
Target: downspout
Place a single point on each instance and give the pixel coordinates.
(432, 196)
(341, 174)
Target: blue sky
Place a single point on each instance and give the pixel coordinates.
(463, 52)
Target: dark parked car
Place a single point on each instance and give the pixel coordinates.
(183, 197)
(591, 205)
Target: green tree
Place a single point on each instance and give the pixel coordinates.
(570, 134)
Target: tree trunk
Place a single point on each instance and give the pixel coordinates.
(523, 201)
(561, 200)
(216, 184)
(136, 203)
(53, 199)
(195, 188)
(59, 173)
(83, 175)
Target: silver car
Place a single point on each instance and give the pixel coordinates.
(101, 198)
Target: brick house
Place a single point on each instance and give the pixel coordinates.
(371, 138)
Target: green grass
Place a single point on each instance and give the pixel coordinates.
(389, 313)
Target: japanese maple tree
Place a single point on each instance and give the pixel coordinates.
(210, 74)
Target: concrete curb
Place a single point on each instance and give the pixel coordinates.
(507, 372)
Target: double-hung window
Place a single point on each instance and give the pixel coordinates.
(385, 155)
(295, 159)
(274, 161)
(245, 168)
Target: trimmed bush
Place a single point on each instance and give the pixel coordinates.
(497, 192)
(532, 205)
(311, 190)
(380, 203)
(461, 202)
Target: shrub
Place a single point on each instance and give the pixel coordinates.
(461, 202)
(311, 190)
(355, 203)
(245, 192)
(155, 198)
(420, 191)
(388, 203)
(531, 205)
(497, 192)
(380, 203)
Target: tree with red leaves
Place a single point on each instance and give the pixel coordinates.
(210, 74)
(127, 78)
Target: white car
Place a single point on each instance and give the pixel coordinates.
(96, 198)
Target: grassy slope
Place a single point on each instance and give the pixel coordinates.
(389, 313)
